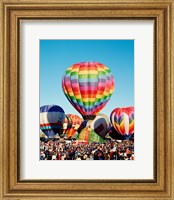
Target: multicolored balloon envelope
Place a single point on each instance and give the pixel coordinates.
(51, 119)
(76, 122)
(122, 120)
(88, 86)
(100, 125)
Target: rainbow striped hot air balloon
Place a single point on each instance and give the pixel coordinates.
(51, 119)
(88, 86)
(122, 120)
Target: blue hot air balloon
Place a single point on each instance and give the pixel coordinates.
(51, 119)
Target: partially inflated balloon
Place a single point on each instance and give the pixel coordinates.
(51, 119)
(88, 86)
(89, 135)
(122, 120)
(76, 122)
(100, 125)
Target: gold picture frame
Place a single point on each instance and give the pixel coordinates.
(161, 187)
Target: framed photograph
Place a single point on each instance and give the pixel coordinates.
(86, 100)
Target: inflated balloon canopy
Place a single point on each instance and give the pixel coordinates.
(51, 119)
(122, 120)
(88, 86)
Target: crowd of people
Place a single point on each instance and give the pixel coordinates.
(69, 150)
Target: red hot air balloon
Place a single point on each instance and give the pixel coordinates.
(88, 86)
(122, 120)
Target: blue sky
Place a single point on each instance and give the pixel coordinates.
(57, 55)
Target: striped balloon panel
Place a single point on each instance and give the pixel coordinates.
(50, 129)
(88, 86)
(123, 118)
(51, 119)
(68, 120)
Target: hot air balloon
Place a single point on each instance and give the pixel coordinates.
(76, 122)
(51, 119)
(88, 86)
(100, 125)
(122, 120)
